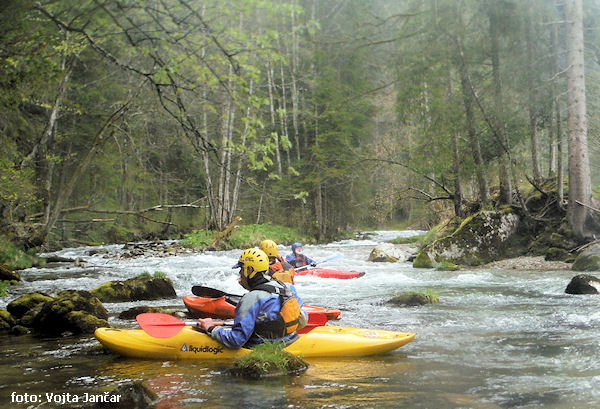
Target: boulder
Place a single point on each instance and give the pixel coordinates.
(19, 307)
(583, 284)
(588, 259)
(482, 238)
(422, 260)
(135, 289)
(412, 299)
(6, 274)
(77, 312)
(7, 321)
(132, 395)
(388, 252)
(131, 313)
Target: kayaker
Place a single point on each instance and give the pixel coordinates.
(270, 311)
(297, 258)
(279, 269)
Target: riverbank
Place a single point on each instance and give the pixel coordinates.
(524, 263)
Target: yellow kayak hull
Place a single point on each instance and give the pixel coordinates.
(324, 341)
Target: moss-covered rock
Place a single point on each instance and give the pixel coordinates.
(412, 299)
(26, 302)
(588, 259)
(268, 360)
(378, 256)
(446, 265)
(132, 395)
(556, 254)
(143, 287)
(27, 319)
(77, 312)
(19, 330)
(553, 236)
(7, 321)
(583, 284)
(6, 274)
(481, 238)
(389, 253)
(112, 291)
(131, 313)
(423, 260)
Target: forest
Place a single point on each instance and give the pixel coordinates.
(164, 116)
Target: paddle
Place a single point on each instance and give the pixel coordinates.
(159, 325)
(209, 292)
(335, 257)
(201, 291)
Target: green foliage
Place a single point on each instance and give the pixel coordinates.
(374, 81)
(17, 258)
(198, 238)
(3, 288)
(421, 239)
(247, 236)
(268, 358)
(157, 274)
(264, 357)
(417, 239)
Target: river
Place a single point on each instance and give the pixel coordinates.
(497, 339)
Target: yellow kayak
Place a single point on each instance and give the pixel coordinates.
(324, 341)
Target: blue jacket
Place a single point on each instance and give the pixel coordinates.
(298, 260)
(256, 305)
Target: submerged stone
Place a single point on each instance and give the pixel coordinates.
(131, 313)
(412, 299)
(583, 284)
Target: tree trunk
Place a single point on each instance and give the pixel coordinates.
(271, 85)
(579, 211)
(558, 118)
(503, 160)
(293, 70)
(471, 127)
(41, 236)
(532, 106)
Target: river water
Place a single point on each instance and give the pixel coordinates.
(497, 339)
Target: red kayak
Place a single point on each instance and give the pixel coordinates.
(329, 273)
(224, 308)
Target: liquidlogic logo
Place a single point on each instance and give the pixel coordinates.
(201, 349)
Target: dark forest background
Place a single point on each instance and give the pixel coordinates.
(163, 116)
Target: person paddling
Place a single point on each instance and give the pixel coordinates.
(297, 258)
(270, 311)
(279, 269)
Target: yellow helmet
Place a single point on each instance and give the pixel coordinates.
(255, 258)
(269, 247)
